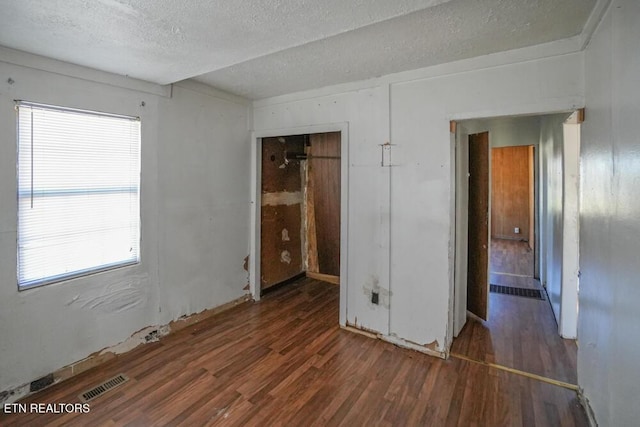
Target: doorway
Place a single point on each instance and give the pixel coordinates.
(521, 233)
(513, 207)
(254, 261)
(300, 209)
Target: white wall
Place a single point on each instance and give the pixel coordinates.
(194, 210)
(203, 187)
(416, 107)
(551, 223)
(507, 131)
(609, 326)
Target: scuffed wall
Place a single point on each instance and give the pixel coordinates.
(400, 217)
(194, 209)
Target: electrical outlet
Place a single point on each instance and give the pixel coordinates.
(374, 297)
(516, 230)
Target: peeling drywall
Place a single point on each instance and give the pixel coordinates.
(194, 219)
(114, 298)
(143, 336)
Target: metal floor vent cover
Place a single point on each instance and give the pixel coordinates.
(518, 292)
(103, 388)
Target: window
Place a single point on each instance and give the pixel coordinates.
(78, 192)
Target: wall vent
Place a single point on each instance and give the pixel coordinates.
(103, 388)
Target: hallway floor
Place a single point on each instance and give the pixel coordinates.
(284, 361)
(521, 333)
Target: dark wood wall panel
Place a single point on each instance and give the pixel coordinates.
(324, 181)
(510, 187)
(281, 251)
(281, 220)
(278, 174)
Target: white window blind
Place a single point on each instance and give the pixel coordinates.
(78, 192)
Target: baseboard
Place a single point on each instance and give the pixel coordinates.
(591, 417)
(143, 336)
(324, 277)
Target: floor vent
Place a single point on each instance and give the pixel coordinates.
(103, 388)
(518, 292)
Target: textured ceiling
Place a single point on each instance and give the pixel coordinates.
(263, 48)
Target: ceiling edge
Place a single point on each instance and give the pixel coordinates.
(37, 62)
(514, 56)
(593, 21)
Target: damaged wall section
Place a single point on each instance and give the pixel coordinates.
(281, 252)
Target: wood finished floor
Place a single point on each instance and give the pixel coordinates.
(521, 333)
(285, 362)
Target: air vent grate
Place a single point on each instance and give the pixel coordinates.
(103, 388)
(518, 292)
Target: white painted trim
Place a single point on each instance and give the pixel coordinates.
(568, 322)
(254, 232)
(256, 173)
(460, 194)
(28, 60)
(591, 417)
(547, 107)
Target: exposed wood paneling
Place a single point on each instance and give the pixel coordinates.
(285, 361)
(324, 182)
(281, 218)
(510, 187)
(310, 225)
(281, 253)
(279, 174)
(478, 233)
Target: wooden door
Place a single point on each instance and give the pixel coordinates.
(478, 234)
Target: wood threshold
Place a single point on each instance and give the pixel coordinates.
(518, 372)
(324, 277)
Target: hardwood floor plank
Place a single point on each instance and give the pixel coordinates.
(521, 333)
(284, 362)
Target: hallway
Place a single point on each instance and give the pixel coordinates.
(521, 333)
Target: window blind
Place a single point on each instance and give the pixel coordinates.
(78, 192)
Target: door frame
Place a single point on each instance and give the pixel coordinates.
(459, 218)
(256, 197)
